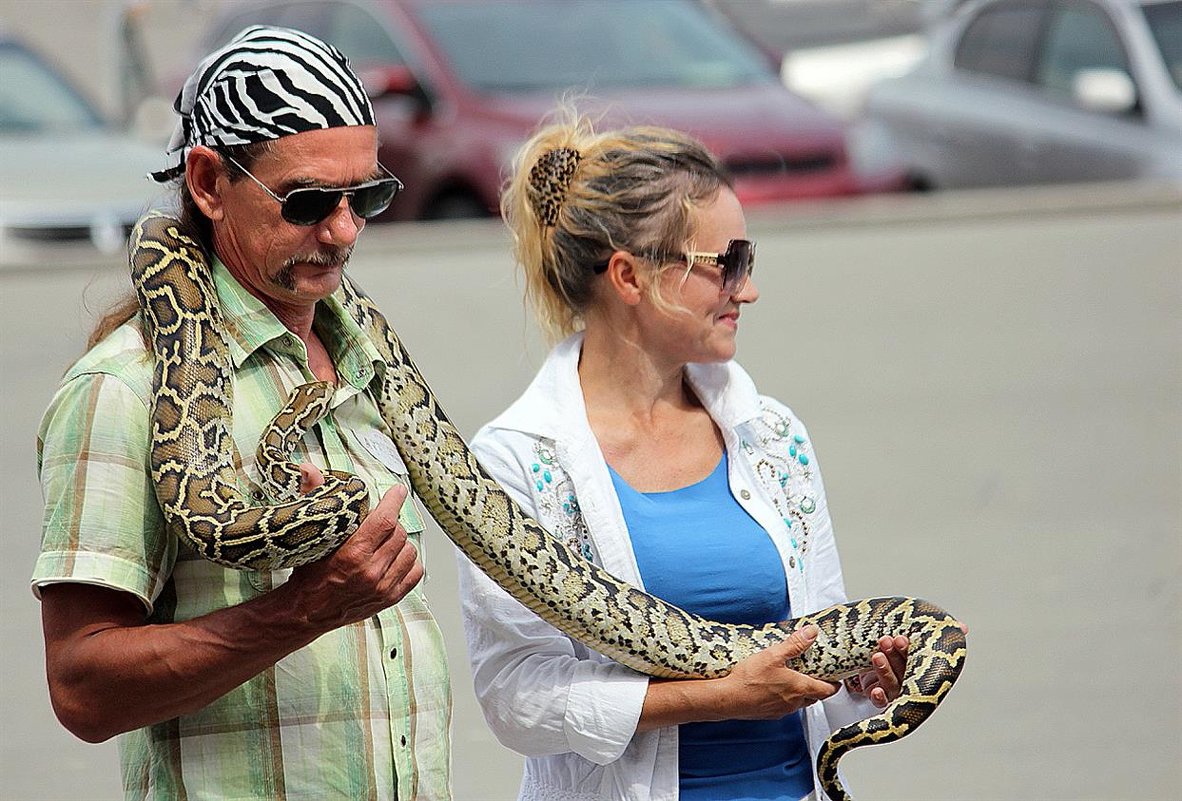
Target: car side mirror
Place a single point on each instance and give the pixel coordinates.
(393, 79)
(1107, 90)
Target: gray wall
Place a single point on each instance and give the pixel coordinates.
(992, 382)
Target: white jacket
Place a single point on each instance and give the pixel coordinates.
(571, 711)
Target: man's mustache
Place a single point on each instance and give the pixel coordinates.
(330, 256)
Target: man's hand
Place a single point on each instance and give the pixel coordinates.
(100, 649)
(371, 571)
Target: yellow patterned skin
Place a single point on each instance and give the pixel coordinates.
(576, 596)
(193, 455)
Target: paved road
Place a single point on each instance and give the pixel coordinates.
(993, 384)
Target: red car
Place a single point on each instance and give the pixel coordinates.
(458, 85)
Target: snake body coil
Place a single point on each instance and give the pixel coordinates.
(192, 463)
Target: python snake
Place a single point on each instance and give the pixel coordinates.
(192, 462)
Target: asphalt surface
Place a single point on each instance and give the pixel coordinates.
(993, 384)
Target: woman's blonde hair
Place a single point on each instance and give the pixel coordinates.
(577, 196)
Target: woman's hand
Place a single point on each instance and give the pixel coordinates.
(761, 687)
(881, 685)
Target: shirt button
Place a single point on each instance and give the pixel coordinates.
(393, 653)
(403, 741)
(745, 495)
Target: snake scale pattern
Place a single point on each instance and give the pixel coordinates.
(193, 462)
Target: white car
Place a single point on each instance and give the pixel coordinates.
(71, 186)
(1038, 92)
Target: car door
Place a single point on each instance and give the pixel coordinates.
(985, 129)
(1077, 143)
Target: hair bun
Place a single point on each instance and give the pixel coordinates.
(549, 181)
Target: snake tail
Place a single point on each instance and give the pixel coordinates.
(935, 659)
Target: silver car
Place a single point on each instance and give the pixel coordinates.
(70, 184)
(1038, 92)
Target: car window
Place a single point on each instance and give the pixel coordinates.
(306, 17)
(1165, 22)
(1079, 37)
(351, 29)
(590, 44)
(233, 25)
(1001, 41)
(33, 99)
(360, 36)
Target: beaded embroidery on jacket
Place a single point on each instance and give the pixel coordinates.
(780, 458)
(556, 503)
(783, 464)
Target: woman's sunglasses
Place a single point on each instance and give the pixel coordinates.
(737, 263)
(312, 205)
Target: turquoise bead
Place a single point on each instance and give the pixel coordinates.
(803, 459)
(799, 439)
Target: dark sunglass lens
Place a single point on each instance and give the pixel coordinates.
(737, 263)
(310, 206)
(370, 201)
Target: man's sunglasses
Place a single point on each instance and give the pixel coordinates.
(312, 205)
(737, 263)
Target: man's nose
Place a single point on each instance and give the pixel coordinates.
(342, 226)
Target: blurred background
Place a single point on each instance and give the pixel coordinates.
(970, 225)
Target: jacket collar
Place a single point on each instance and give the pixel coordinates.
(545, 408)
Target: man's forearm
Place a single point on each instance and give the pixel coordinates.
(109, 672)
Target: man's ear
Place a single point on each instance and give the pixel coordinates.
(206, 177)
(625, 277)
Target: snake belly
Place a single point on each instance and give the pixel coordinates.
(192, 462)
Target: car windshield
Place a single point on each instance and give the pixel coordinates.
(1165, 21)
(33, 99)
(524, 46)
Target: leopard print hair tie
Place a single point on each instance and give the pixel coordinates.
(549, 181)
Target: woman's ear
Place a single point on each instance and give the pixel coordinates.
(206, 178)
(625, 277)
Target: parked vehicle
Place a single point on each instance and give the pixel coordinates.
(457, 86)
(69, 182)
(1038, 92)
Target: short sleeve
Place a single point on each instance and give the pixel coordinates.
(101, 523)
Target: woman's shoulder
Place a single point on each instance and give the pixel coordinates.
(777, 427)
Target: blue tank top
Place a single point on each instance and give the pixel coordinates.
(698, 549)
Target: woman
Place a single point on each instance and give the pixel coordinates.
(643, 446)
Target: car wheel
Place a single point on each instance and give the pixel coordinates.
(456, 206)
(917, 182)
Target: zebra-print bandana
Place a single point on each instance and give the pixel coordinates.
(266, 83)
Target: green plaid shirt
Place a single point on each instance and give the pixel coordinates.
(362, 712)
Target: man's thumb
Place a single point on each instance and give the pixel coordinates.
(310, 477)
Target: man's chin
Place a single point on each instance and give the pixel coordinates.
(310, 279)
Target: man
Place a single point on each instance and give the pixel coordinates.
(326, 681)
